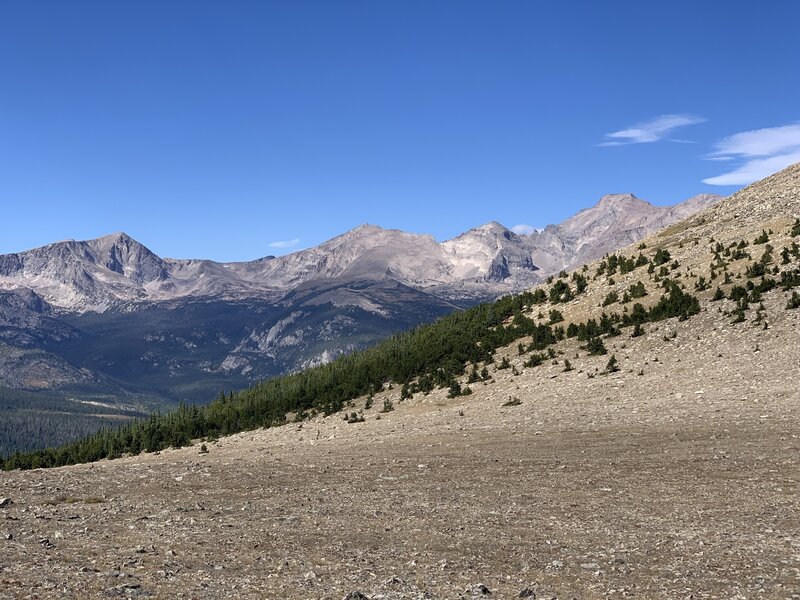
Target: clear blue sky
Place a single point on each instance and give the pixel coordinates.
(214, 129)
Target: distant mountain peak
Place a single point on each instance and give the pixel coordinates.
(367, 228)
(494, 227)
(117, 236)
(616, 200)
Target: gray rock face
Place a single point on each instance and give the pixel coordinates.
(616, 221)
(114, 270)
(26, 319)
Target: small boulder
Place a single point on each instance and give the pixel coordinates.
(6, 502)
(479, 590)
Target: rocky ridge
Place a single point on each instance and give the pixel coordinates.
(115, 270)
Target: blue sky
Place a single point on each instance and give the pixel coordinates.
(219, 129)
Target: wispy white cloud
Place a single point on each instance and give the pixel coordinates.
(523, 229)
(285, 243)
(760, 142)
(755, 169)
(653, 130)
(764, 152)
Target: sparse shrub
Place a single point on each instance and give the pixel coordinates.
(661, 257)
(512, 401)
(560, 292)
(567, 366)
(457, 390)
(356, 418)
(794, 302)
(581, 282)
(611, 298)
(763, 238)
(388, 406)
(203, 449)
(737, 293)
(596, 347)
(637, 290)
(701, 284)
(612, 366)
(535, 360)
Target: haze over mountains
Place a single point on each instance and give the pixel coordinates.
(109, 319)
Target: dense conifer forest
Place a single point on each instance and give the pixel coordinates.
(29, 418)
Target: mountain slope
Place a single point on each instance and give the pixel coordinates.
(111, 320)
(667, 472)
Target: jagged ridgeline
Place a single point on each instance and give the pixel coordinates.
(431, 355)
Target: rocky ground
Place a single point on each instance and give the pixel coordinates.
(676, 477)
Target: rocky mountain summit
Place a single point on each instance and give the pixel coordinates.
(634, 435)
(115, 270)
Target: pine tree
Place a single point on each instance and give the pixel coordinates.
(595, 346)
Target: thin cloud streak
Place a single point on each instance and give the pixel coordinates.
(653, 130)
(755, 169)
(285, 243)
(760, 142)
(523, 229)
(764, 151)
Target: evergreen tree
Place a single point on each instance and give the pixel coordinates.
(595, 346)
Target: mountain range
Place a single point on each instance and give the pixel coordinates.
(625, 430)
(109, 320)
